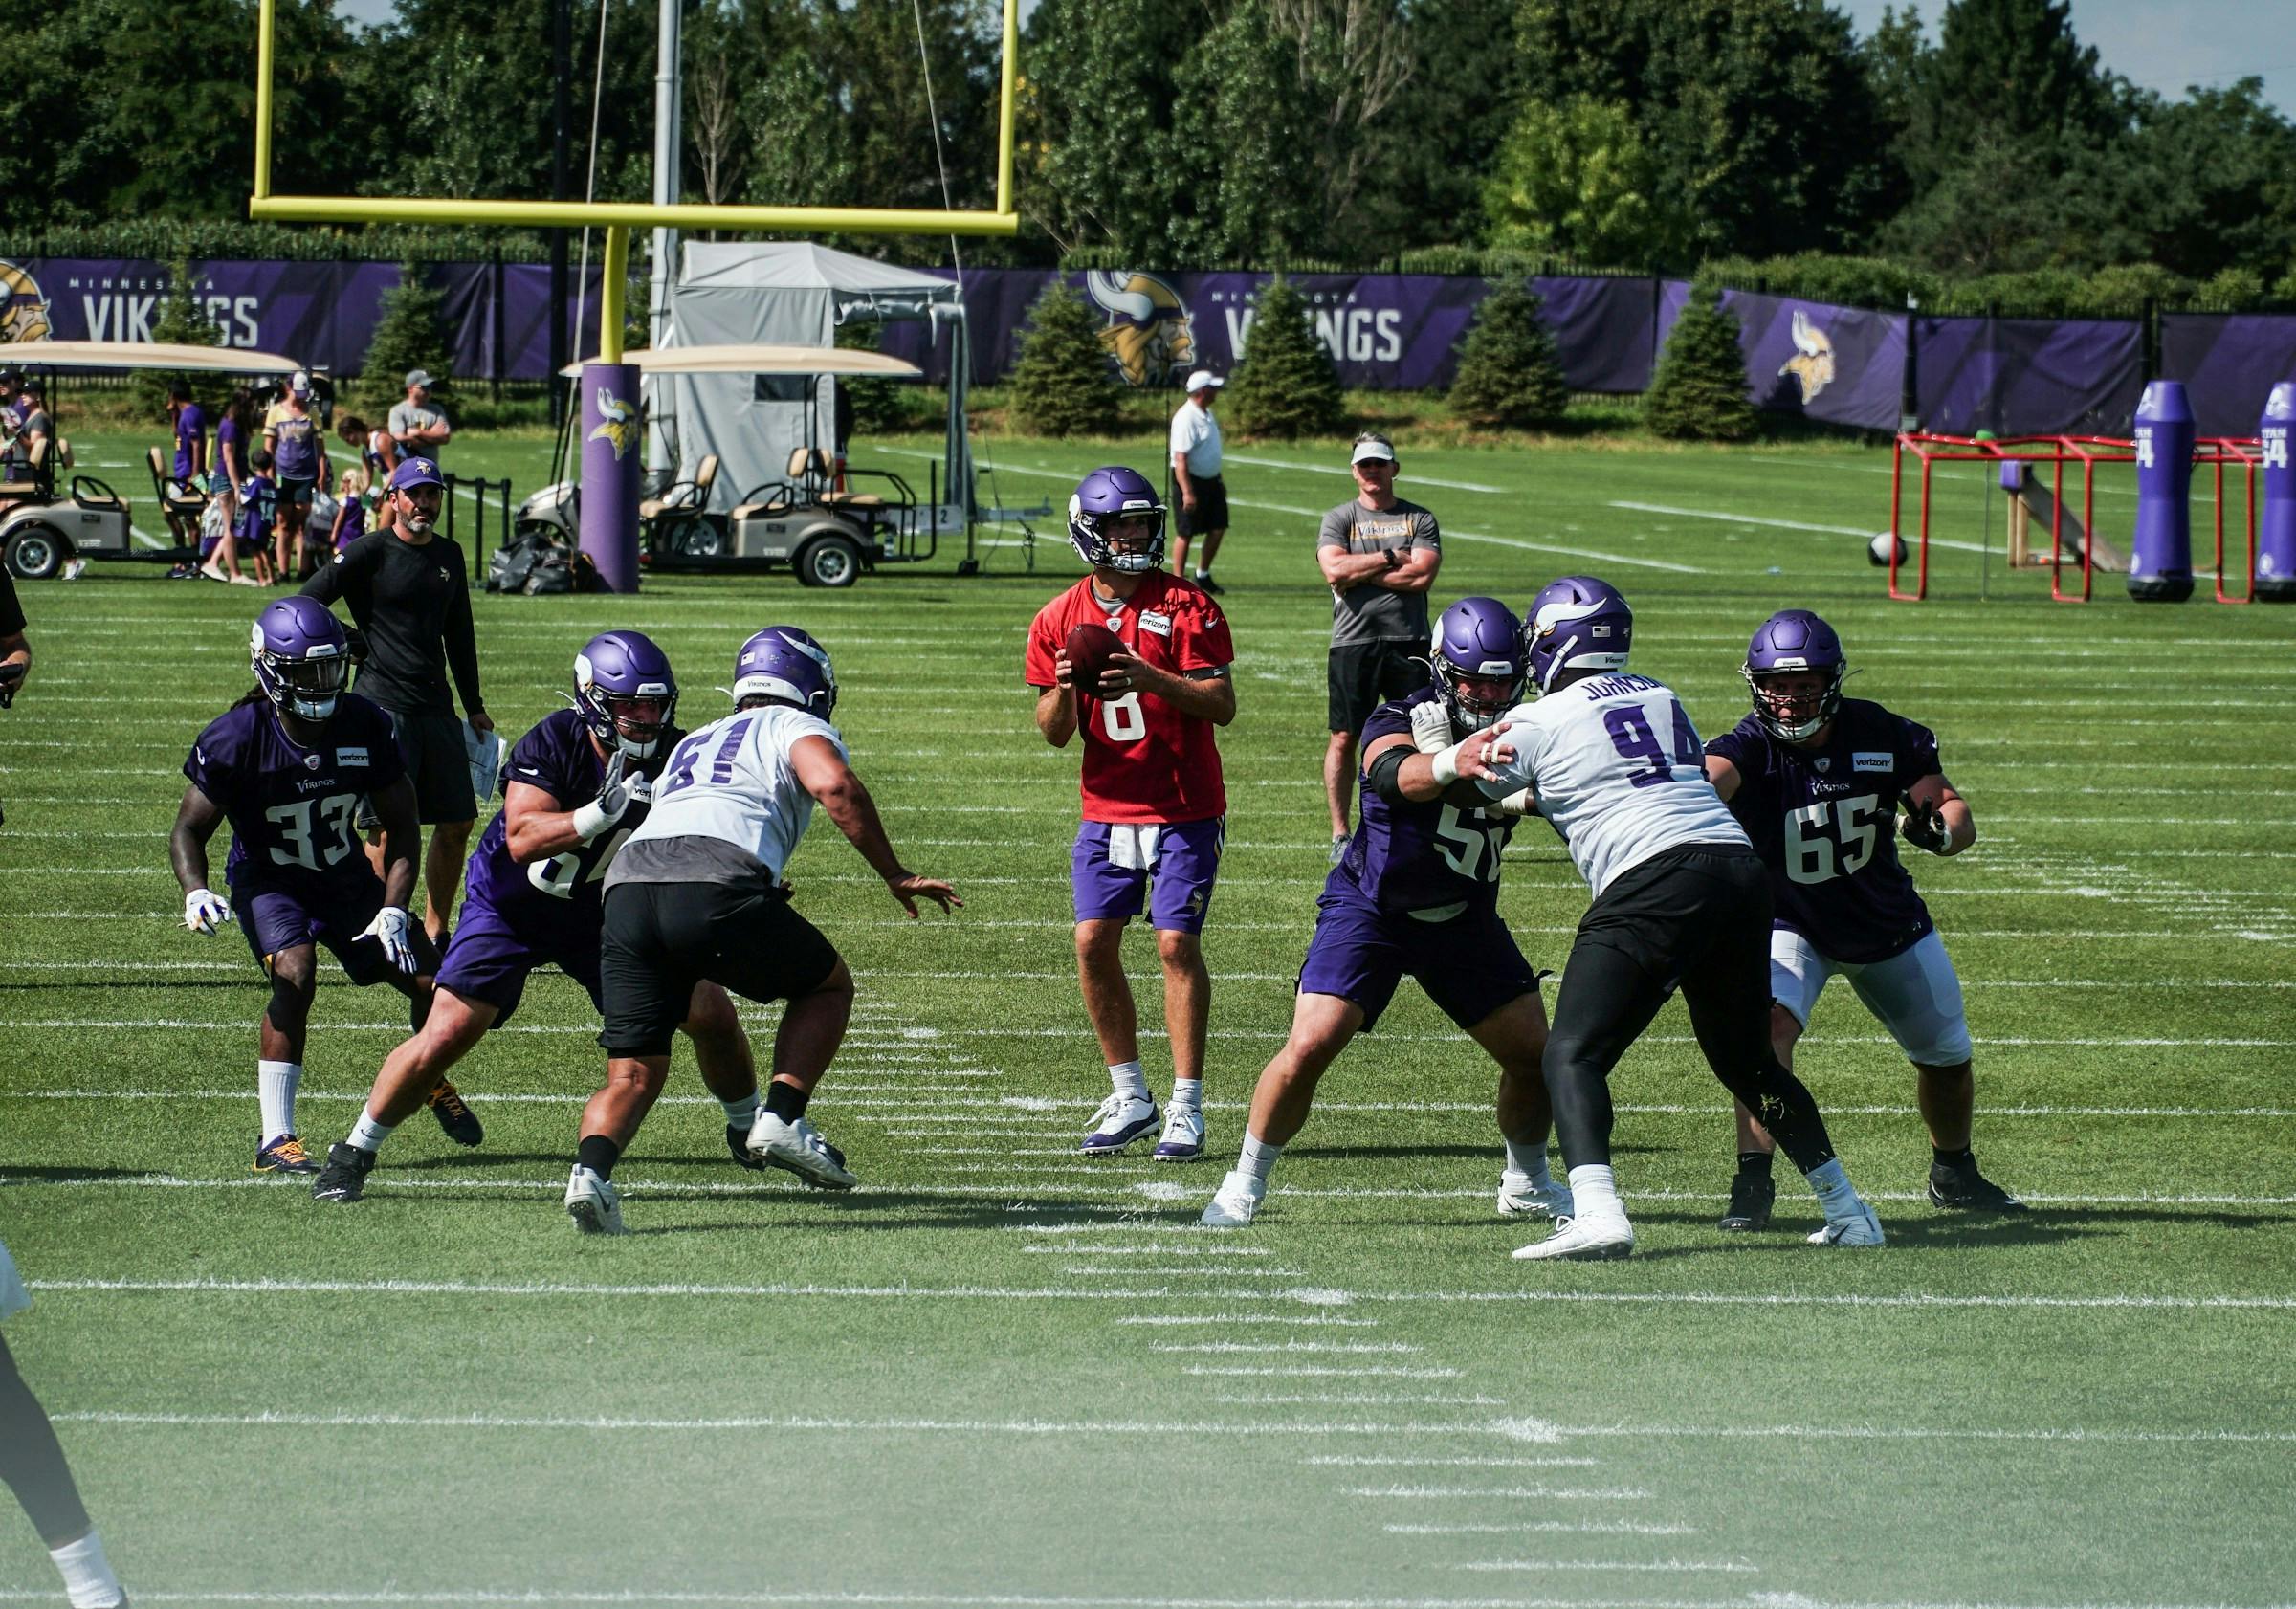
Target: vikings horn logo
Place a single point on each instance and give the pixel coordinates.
(618, 424)
(1812, 364)
(1148, 331)
(23, 309)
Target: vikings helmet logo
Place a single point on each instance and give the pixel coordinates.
(618, 424)
(1812, 364)
(1148, 331)
(23, 309)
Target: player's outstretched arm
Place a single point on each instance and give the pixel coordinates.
(822, 772)
(1937, 818)
(195, 822)
(534, 827)
(1724, 775)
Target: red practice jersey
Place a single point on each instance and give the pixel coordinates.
(1143, 760)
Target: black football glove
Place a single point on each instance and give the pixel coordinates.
(11, 677)
(357, 642)
(1924, 829)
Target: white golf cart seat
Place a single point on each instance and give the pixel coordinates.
(180, 497)
(38, 483)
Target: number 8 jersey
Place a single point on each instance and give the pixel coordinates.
(1826, 822)
(293, 810)
(1619, 773)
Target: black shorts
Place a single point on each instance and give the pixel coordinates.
(1364, 675)
(1211, 507)
(662, 939)
(438, 764)
(1701, 910)
(296, 494)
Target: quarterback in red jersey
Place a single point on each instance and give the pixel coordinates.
(1155, 807)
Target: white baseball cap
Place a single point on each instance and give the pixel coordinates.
(1203, 379)
(300, 385)
(1372, 448)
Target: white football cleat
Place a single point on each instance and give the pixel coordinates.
(1858, 1228)
(1581, 1239)
(798, 1148)
(1238, 1200)
(1182, 1139)
(1519, 1198)
(593, 1203)
(1121, 1119)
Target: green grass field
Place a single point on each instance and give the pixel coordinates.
(1000, 1375)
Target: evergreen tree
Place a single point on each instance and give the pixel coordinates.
(1509, 371)
(1699, 392)
(184, 321)
(410, 334)
(1060, 383)
(1287, 385)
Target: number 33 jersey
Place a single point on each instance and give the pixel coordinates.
(1620, 772)
(558, 757)
(294, 810)
(1825, 819)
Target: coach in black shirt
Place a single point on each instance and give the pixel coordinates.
(15, 652)
(409, 594)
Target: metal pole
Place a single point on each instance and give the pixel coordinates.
(562, 67)
(668, 127)
(264, 41)
(609, 294)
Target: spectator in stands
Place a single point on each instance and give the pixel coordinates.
(417, 425)
(298, 450)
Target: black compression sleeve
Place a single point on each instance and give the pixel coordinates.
(1386, 773)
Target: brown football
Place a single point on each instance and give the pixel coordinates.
(1090, 650)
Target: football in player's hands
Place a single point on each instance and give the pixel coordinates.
(1092, 652)
(1925, 828)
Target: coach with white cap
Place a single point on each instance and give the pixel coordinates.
(1196, 470)
(416, 424)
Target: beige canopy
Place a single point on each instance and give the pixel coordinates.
(762, 360)
(142, 354)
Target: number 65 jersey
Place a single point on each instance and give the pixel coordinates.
(1619, 773)
(1825, 820)
(293, 810)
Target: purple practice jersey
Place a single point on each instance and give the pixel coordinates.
(1419, 857)
(1824, 820)
(565, 893)
(293, 810)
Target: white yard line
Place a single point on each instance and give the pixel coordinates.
(1600, 555)
(1366, 1461)
(1587, 1494)
(1907, 1433)
(1863, 532)
(1361, 1371)
(1346, 473)
(1327, 1346)
(1662, 1567)
(1503, 1527)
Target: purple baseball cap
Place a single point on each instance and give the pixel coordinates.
(416, 471)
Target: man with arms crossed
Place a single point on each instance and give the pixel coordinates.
(1817, 779)
(1196, 462)
(1155, 803)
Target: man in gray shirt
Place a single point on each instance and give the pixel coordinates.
(418, 427)
(1379, 554)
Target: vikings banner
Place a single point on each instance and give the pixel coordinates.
(2029, 376)
(2229, 363)
(1384, 331)
(1843, 365)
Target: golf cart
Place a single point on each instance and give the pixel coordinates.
(39, 531)
(812, 519)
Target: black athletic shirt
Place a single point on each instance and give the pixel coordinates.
(415, 605)
(12, 612)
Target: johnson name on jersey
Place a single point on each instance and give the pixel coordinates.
(1826, 822)
(294, 810)
(732, 781)
(1619, 773)
(559, 758)
(1431, 857)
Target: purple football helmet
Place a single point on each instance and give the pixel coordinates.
(625, 692)
(785, 664)
(302, 657)
(1793, 641)
(1478, 639)
(1577, 624)
(1104, 498)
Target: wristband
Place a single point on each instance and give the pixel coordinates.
(1445, 764)
(590, 820)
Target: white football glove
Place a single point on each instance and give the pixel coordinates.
(390, 930)
(614, 797)
(1522, 802)
(1431, 727)
(205, 912)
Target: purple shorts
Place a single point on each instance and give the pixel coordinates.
(1470, 965)
(489, 959)
(276, 921)
(1115, 867)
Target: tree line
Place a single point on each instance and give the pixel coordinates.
(1646, 134)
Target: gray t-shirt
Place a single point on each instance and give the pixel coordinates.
(1372, 613)
(405, 418)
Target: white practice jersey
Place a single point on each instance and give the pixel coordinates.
(732, 781)
(1619, 773)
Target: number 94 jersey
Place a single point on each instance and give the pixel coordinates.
(1826, 822)
(558, 757)
(294, 810)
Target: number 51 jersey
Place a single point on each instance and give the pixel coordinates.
(294, 810)
(1826, 822)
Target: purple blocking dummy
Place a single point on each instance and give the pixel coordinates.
(2160, 554)
(2275, 578)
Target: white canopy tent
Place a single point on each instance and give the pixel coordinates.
(795, 294)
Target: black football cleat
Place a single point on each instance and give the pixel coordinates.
(1752, 1196)
(455, 1116)
(1967, 1190)
(737, 1140)
(284, 1154)
(345, 1177)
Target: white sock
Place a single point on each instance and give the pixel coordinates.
(1204, 575)
(1129, 1079)
(1834, 1193)
(367, 1134)
(88, 1578)
(1258, 1158)
(1529, 1160)
(1594, 1192)
(276, 1084)
(742, 1114)
(1189, 1092)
